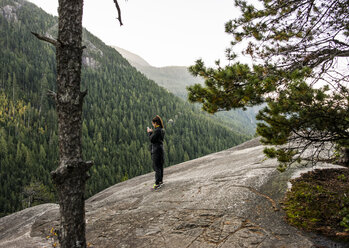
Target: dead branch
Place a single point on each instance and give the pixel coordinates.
(47, 39)
(119, 11)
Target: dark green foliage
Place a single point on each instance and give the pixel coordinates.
(344, 212)
(235, 86)
(302, 116)
(119, 106)
(298, 50)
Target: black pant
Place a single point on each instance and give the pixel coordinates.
(158, 166)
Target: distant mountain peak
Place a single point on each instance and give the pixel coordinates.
(173, 78)
(134, 59)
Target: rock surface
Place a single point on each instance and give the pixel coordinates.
(10, 12)
(226, 199)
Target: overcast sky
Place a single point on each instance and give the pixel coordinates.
(163, 32)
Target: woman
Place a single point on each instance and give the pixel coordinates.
(157, 149)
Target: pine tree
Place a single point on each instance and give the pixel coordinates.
(295, 47)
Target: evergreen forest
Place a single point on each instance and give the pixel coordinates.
(117, 110)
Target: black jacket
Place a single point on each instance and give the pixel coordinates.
(157, 138)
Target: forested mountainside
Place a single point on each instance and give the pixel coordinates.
(120, 105)
(177, 78)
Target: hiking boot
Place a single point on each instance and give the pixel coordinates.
(156, 186)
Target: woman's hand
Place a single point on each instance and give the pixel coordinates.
(149, 130)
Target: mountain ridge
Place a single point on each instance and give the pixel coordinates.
(173, 78)
(132, 57)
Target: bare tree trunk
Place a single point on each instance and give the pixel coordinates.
(71, 175)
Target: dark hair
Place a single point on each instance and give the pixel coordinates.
(158, 121)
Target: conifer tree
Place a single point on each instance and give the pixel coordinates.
(299, 50)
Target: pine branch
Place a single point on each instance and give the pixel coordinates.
(340, 42)
(47, 39)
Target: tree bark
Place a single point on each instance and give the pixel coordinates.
(71, 175)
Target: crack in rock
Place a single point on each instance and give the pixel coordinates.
(273, 203)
